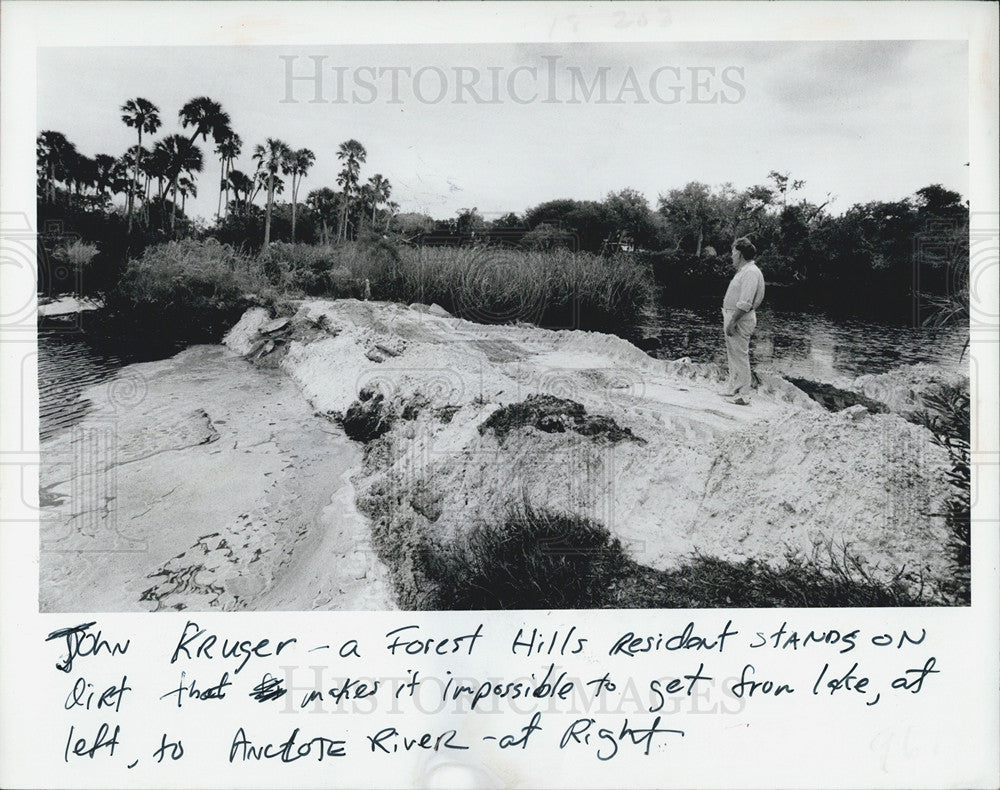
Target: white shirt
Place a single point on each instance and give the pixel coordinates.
(746, 289)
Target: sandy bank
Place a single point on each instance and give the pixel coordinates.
(200, 482)
(674, 469)
(66, 305)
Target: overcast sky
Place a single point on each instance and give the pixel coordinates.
(505, 127)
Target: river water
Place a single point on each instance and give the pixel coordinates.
(806, 345)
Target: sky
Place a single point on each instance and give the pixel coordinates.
(503, 127)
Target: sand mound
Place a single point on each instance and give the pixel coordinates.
(682, 470)
(902, 389)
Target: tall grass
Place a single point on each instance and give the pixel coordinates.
(555, 288)
(947, 416)
(534, 559)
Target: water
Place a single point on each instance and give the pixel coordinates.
(70, 360)
(806, 345)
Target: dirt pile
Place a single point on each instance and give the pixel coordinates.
(461, 420)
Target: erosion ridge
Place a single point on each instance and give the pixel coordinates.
(670, 469)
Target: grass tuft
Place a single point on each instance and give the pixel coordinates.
(551, 414)
(828, 577)
(534, 559)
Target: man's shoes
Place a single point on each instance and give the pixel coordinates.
(739, 400)
(726, 394)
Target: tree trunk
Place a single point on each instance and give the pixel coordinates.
(135, 182)
(218, 208)
(267, 219)
(225, 206)
(295, 189)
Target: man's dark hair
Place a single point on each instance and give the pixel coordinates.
(746, 248)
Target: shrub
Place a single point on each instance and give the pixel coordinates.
(368, 418)
(548, 237)
(947, 416)
(554, 415)
(189, 289)
(76, 254)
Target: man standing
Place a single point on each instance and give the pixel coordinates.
(739, 319)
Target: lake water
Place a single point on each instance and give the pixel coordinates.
(70, 360)
(806, 345)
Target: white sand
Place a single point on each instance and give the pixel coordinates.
(66, 305)
(729, 481)
(217, 486)
(199, 482)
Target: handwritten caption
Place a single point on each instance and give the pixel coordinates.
(563, 689)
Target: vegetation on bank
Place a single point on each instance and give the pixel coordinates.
(186, 289)
(200, 287)
(537, 559)
(947, 415)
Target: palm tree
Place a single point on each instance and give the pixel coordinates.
(82, 172)
(353, 155)
(156, 166)
(153, 167)
(54, 153)
(144, 116)
(324, 202)
(208, 118)
(242, 186)
(270, 158)
(380, 191)
(297, 165)
(123, 167)
(107, 175)
(227, 149)
(181, 156)
(392, 210)
(186, 186)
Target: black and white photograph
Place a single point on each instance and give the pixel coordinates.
(506, 327)
(499, 395)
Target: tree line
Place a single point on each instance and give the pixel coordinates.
(156, 181)
(898, 247)
(879, 251)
